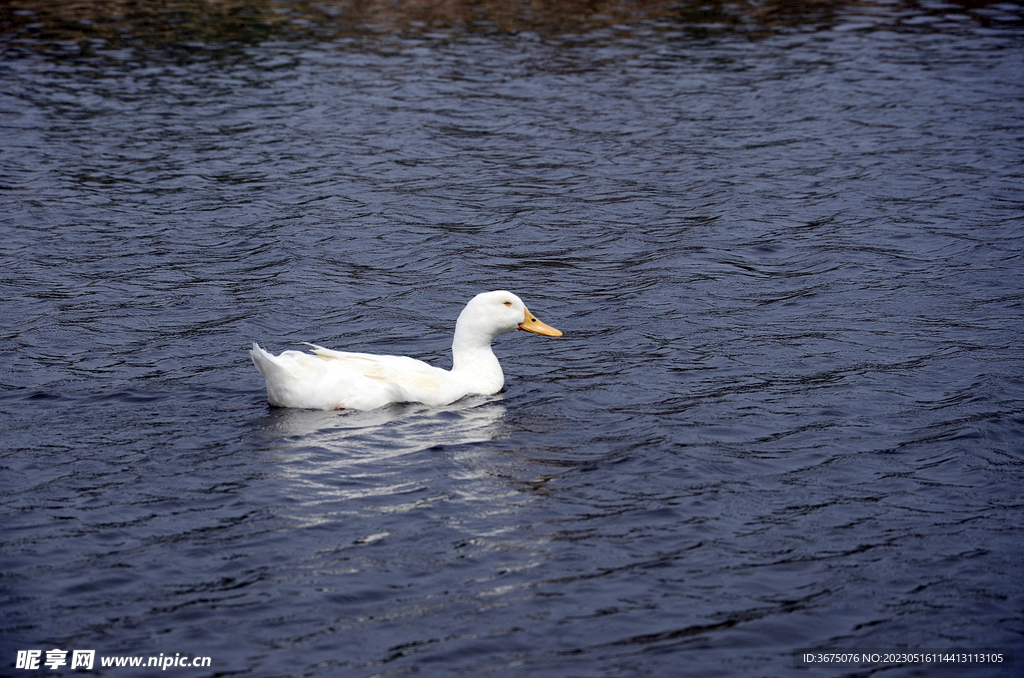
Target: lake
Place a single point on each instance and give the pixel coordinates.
(786, 417)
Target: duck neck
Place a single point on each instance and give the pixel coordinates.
(473, 358)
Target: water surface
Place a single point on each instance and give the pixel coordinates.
(787, 411)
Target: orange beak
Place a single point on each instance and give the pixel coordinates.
(531, 324)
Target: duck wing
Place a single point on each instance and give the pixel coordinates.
(414, 380)
(303, 380)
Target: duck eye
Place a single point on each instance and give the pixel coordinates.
(508, 303)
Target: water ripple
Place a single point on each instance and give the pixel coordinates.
(786, 411)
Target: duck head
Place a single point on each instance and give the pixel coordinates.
(493, 313)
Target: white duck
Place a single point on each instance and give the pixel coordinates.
(334, 380)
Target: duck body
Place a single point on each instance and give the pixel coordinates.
(329, 380)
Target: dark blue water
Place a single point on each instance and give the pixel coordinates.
(787, 412)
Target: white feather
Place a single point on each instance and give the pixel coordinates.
(326, 379)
